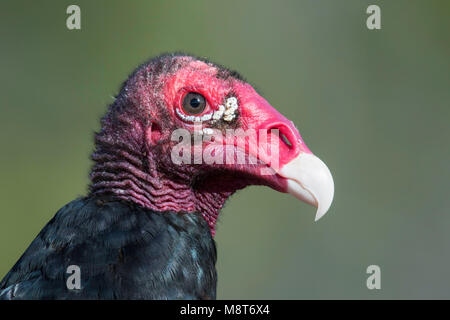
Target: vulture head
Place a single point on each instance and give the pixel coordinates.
(184, 134)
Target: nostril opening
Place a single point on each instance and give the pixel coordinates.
(282, 136)
(286, 140)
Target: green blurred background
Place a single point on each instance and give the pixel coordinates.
(374, 105)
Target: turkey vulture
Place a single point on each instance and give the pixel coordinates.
(145, 229)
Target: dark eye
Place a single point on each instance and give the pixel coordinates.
(194, 103)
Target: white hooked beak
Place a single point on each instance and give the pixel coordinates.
(310, 180)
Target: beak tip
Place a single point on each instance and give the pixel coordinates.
(321, 212)
(326, 201)
(310, 180)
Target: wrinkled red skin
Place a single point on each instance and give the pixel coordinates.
(132, 157)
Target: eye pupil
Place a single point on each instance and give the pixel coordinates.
(194, 103)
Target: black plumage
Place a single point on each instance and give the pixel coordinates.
(124, 251)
